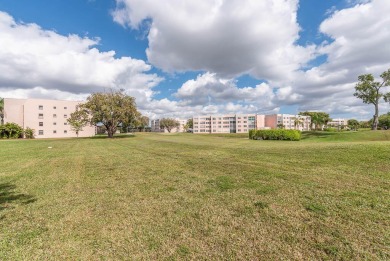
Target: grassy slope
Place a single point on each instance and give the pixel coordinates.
(186, 196)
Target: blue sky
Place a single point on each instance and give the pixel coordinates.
(199, 57)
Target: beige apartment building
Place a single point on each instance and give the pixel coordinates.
(229, 123)
(242, 123)
(288, 121)
(338, 123)
(47, 117)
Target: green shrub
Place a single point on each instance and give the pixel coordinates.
(11, 130)
(29, 133)
(278, 134)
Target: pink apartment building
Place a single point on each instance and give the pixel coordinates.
(287, 121)
(47, 117)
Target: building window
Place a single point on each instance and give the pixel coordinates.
(40, 132)
(54, 123)
(40, 116)
(41, 107)
(65, 131)
(54, 115)
(54, 107)
(54, 131)
(65, 108)
(65, 123)
(40, 123)
(65, 116)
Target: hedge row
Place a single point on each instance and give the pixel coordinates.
(279, 134)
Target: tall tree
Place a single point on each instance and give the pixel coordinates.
(78, 120)
(1, 111)
(169, 124)
(369, 91)
(112, 109)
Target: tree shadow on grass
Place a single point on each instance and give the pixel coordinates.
(317, 134)
(116, 136)
(9, 197)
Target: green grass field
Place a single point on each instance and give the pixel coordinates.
(203, 197)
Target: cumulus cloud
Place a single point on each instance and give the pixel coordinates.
(41, 63)
(228, 38)
(209, 89)
(360, 45)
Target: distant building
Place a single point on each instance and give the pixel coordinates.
(228, 123)
(242, 123)
(47, 117)
(155, 126)
(338, 122)
(288, 121)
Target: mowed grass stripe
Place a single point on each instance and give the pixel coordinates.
(155, 196)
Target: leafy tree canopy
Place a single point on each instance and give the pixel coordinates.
(169, 124)
(111, 109)
(384, 121)
(78, 120)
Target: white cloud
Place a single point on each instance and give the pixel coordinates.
(41, 63)
(229, 38)
(360, 45)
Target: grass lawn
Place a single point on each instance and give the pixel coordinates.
(185, 196)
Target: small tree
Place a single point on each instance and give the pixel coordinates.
(189, 125)
(29, 133)
(78, 120)
(143, 122)
(370, 92)
(169, 124)
(353, 124)
(384, 121)
(112, 109)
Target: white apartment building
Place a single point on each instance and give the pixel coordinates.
(338, 122)
(47, 117)
(155, 126)
(288, 121)
(229, 123)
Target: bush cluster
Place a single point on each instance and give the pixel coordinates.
(12, 130)
(279, 134)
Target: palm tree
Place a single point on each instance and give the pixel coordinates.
(298, 121)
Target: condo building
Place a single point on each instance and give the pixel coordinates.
(338, 122)
(242, 123)
(288, 121)
(229, 123)
(47, 117)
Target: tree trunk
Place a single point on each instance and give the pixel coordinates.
(110, 132)
(375, 120)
